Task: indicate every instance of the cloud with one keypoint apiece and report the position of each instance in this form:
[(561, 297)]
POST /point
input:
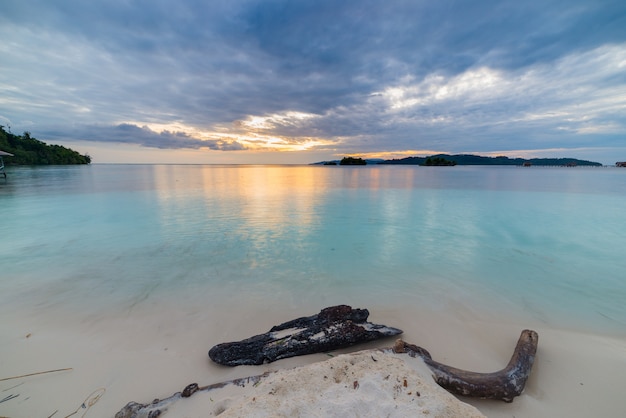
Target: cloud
[(340, 77), (578, 92), (133, 134)]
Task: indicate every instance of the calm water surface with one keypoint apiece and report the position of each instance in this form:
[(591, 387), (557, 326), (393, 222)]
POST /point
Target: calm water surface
[(543, 243)]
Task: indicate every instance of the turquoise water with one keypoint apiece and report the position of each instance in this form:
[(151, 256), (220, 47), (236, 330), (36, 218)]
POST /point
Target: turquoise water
[(548, 244)]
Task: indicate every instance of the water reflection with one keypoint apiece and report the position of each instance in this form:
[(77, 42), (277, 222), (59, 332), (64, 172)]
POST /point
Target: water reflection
[(116, 235), (271, 198)]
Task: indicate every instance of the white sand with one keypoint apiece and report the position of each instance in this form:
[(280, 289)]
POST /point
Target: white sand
[(154, 352)]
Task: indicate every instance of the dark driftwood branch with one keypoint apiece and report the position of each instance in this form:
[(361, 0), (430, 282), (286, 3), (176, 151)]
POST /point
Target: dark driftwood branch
[(505, 384), (338, 327), (333, 328)]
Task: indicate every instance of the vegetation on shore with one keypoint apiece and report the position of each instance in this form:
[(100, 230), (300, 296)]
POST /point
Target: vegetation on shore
[(438, 161), (468, 159), (27, 150), (352, 161)]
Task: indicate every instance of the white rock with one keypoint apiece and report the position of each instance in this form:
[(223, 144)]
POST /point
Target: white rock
[(364, 384)]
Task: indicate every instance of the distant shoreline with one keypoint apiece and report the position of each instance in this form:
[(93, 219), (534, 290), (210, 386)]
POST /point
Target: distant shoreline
[(470, 159)]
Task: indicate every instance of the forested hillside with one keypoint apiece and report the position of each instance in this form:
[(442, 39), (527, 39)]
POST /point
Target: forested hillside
[(27, 150)]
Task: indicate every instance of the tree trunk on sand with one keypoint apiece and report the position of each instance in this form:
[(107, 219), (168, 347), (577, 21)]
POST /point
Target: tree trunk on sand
[(505, 384), (333, 328)]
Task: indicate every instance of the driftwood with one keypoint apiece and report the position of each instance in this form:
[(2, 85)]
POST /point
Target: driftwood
[(158, 406), (333, 328), (505, 384), (339, 327)]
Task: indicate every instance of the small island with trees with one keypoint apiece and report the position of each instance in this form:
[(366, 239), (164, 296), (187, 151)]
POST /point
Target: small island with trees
[(27, 150), (352, 161)]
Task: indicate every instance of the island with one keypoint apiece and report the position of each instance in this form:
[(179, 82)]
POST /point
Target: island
[(469, 159), (27, 150), (352, 161)]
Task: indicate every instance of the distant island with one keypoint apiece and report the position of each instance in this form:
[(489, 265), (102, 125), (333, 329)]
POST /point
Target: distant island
[(27, 150), (469, 159), (352, 161)]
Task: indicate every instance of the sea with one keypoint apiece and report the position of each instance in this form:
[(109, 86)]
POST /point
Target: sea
[(542, 244)]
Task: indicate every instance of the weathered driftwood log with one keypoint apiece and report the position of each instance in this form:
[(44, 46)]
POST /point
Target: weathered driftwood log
[(505, 384), (333, 328), (158, 406)]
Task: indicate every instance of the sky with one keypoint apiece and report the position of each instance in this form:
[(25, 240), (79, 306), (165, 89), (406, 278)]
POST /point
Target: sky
[(298, 81)]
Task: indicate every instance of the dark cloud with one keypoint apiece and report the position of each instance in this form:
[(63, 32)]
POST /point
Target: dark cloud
[(132, 134)]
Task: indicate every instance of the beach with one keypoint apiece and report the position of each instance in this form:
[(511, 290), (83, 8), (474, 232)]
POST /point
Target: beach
[(180, 175), (128, 274), (156, 352)]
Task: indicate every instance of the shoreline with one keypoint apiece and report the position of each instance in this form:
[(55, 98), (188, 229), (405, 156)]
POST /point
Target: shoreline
[(153, 353)]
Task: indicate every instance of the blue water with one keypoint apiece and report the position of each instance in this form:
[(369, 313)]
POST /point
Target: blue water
[(546, 244)]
